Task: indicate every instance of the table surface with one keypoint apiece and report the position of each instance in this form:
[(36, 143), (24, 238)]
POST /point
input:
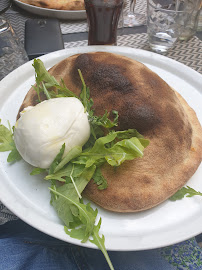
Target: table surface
[(75, 34)]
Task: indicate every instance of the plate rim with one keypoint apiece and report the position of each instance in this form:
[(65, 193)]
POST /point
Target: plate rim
[(66, 53)]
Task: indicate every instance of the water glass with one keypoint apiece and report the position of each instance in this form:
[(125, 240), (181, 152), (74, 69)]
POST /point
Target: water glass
[(133, 18), (165, 22), (192, 7), (199, 25), (103, 18), (12, 52)]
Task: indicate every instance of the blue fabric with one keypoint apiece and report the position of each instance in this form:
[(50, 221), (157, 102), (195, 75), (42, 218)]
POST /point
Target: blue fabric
[(25, 248)]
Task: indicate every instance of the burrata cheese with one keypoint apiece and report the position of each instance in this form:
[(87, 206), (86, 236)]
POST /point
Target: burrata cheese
[(41, 130)]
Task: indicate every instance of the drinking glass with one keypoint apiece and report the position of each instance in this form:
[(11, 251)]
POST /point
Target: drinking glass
[(199, 25), (133, 18), (103, 17), (165, 23), (192, 7), (12, 52)]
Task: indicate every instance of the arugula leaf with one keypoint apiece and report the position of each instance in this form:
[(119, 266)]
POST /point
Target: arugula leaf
[(100, 243), (74, 164), (57, 159), (104, 121), (48, 84), (126, 149), (43, 79), (6, 139), (36, 171), (65, 172), (7, 144), (185, 192), (42, 74), (46, 91), (83, 94), (14, 155), (123, 150), (86, 217), (99, 179), (73, 182), (129, 133), (61, 205), (97, 123), (83, 225), (73, 153)]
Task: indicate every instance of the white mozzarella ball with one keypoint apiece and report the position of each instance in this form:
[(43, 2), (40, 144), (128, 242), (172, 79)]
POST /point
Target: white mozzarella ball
[(41, 130)]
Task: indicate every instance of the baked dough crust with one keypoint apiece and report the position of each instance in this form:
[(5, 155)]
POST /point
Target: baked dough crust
[(145, 102), (57, 4)]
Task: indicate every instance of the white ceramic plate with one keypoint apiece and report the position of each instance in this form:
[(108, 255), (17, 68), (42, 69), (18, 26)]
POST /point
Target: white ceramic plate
[(53, 13), (28, 196)]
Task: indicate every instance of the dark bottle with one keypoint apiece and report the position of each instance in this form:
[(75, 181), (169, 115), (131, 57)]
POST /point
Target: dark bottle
[(103, 17)]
